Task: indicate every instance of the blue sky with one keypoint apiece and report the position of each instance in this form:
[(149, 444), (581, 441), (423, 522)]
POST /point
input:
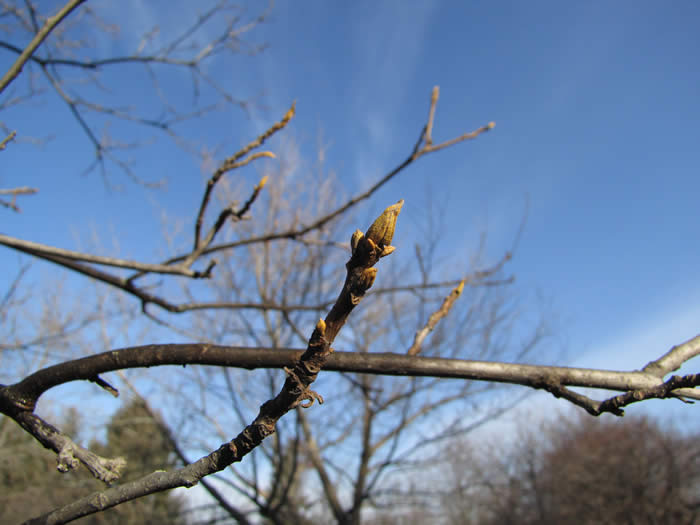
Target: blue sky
[(596, 107), (596, 110)]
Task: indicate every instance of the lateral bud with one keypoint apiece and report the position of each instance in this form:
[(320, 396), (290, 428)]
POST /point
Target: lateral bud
[(321, 327), (355, 240), (367, 279)]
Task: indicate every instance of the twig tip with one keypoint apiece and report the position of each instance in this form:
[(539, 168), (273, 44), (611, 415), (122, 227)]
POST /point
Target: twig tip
[(292, 111)]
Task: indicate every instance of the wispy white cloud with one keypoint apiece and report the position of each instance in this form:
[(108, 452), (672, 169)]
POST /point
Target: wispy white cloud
[(387, 45), (646, 337)]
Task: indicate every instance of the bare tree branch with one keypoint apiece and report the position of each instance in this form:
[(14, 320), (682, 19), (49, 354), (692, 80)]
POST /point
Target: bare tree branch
[(23, 395), (68, 453), (234, 162), (24, 190), (297, 233), (36, 249), (367, 250)]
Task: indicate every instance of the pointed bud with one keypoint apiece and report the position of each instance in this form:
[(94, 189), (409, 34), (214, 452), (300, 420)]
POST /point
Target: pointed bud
[(382, 229)]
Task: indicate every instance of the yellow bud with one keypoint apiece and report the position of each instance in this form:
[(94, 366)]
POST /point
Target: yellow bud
[(382, 229), (368, 277), (355, 240), (262, 183)]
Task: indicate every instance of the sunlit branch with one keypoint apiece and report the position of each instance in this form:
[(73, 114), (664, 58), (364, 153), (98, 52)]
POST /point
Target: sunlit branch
[(27, 391)]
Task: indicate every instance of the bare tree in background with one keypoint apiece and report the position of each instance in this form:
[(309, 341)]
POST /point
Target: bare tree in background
[(575, 470), (251, 291)]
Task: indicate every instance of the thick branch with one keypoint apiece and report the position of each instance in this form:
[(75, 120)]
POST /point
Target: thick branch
[(25, 393)]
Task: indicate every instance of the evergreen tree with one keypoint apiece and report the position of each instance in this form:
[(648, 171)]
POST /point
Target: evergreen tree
[(135, 434)]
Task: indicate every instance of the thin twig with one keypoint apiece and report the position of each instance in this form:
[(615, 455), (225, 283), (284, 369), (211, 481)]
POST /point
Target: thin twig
[(434, 319), (6, 141), (24, 190), (36, 248), (50, 24), (294, 234), (431, 115), (225, 214)]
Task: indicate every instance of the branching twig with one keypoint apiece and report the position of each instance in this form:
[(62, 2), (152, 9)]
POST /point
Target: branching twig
[(181, 265), (679, 387), (182, 52), (294, 234), (24, 190), (68, 453), (223, 216), (234, 162), (674, 358)]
